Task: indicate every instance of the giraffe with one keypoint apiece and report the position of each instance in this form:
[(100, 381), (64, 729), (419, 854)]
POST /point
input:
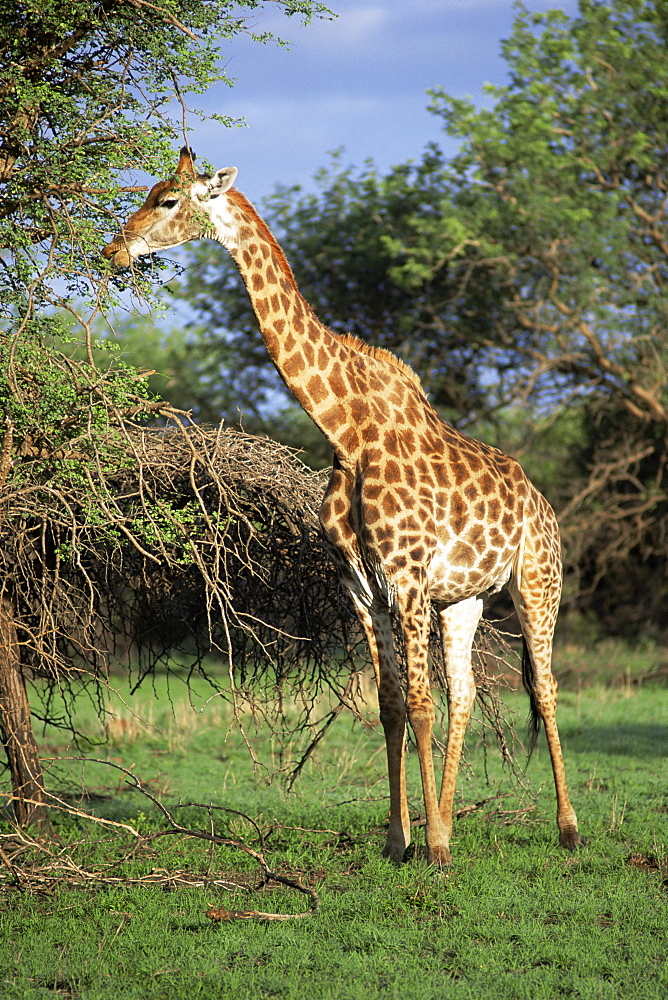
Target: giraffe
[(418, 514)]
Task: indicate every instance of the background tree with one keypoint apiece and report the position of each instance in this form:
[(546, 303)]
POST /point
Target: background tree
[(87, 91)]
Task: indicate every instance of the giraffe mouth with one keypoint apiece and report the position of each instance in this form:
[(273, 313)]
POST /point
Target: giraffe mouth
[(124, 248), (118, 255)]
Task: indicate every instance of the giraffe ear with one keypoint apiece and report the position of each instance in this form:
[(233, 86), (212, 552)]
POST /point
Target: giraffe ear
[(221, 181), (206, 188)]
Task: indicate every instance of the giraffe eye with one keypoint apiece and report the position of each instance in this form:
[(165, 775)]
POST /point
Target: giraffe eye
[(170, 203)]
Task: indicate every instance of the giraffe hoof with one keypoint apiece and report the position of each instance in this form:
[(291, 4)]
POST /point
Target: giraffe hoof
[(397, 851), (439, 857), (571, 839)]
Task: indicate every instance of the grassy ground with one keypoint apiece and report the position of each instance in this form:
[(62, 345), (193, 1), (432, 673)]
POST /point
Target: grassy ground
[(516, 917)]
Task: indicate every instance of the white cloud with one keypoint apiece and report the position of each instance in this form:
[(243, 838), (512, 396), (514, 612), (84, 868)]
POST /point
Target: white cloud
[(354, 27), (357, 27), (358, 81)]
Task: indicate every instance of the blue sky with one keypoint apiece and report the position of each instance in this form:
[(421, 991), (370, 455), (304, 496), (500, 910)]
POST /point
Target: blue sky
[(357, 82)]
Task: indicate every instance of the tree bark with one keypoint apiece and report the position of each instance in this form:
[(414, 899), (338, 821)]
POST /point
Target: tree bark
[(15, 727)]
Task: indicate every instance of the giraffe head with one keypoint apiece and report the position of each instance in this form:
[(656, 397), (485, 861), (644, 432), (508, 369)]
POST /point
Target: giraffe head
[(186, 207)]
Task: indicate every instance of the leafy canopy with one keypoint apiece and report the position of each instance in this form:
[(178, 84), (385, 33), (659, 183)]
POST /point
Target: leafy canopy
[(566, 174)]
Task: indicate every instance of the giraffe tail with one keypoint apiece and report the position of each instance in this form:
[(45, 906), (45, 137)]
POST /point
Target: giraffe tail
[(528, 680)]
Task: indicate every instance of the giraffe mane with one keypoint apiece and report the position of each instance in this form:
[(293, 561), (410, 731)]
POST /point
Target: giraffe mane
[(382, 354)]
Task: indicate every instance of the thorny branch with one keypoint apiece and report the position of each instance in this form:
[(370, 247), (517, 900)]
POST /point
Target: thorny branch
[(209, 540)]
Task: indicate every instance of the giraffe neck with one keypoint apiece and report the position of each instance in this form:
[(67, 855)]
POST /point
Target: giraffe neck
[(320, 368)]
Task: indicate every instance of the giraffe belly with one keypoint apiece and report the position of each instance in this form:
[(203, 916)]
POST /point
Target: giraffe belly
[(450, 580)]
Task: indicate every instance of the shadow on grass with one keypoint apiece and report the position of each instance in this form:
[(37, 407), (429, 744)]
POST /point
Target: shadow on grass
[(638, 740)]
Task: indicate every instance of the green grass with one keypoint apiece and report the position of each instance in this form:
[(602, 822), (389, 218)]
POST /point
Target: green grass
[(516, 918)]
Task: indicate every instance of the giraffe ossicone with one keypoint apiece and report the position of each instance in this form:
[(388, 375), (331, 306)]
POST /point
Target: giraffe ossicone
[(417, 513)]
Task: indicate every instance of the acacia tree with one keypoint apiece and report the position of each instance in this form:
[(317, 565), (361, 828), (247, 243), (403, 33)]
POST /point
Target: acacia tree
[(87, 92), (566, 175)]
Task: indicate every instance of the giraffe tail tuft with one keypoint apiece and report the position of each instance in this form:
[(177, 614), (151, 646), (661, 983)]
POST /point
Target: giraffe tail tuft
[(528, 680)]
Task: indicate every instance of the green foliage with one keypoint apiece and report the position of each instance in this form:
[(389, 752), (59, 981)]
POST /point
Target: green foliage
[(163, 524), (56, 404), (86, 93), (566, 175)]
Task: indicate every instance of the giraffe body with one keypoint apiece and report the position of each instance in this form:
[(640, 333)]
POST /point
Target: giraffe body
[(418, 514)]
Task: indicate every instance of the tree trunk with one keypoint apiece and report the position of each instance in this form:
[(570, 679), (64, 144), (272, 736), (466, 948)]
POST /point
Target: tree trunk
[(16, 728)]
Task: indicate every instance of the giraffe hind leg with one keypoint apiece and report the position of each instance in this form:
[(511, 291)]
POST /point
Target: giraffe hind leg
[(537, 610)]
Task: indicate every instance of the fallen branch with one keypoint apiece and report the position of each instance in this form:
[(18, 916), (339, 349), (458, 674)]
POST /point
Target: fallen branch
[(52, 872)]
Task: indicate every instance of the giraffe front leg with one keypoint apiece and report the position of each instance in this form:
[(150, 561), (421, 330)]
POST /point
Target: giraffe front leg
[(421, 716), (375, 620), (393, 719), (376, 624), (414, 612)]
